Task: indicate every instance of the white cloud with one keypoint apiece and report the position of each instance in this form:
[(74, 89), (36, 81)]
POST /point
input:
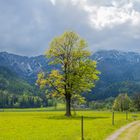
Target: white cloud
[(118, 12), (53, 2)]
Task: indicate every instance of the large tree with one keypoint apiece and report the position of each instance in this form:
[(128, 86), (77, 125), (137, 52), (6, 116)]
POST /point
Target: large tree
[(76, 73)]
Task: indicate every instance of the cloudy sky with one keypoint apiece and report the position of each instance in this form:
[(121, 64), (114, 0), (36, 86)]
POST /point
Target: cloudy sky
[(27, 26)]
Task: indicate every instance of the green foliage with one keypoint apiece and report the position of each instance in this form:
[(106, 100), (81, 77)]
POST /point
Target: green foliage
[(77, 100), (17, 93), (10, 82), (77, 73), (96, 105), (122, 102), (136, 101), (104, 90), (102, 104), (8, 100), (52, 102)]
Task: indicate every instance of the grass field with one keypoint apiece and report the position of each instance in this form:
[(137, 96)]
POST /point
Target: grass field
[(53, 125)]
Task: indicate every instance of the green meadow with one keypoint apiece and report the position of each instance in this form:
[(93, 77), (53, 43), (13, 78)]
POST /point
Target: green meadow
[(43, 124)]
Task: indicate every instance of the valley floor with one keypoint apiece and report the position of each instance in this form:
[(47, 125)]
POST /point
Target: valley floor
[(53, 125)]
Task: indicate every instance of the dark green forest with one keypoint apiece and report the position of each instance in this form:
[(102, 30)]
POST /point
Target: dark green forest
[(17, 93), (18, 74)]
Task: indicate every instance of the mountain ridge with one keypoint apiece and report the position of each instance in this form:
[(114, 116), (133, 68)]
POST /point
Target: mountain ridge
[(116, 67)]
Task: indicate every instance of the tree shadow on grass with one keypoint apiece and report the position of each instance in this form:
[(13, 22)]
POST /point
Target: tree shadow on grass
[(73, 117)]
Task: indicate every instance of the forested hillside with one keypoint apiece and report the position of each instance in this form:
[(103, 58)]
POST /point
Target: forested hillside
[(120, 72), (12, 83), (15, 92)]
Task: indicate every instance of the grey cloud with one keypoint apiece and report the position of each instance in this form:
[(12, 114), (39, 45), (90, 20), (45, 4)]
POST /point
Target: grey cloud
[(27, 27)]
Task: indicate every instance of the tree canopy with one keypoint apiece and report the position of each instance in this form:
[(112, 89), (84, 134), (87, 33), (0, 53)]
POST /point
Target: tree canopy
[(75, 73), (122, 102)]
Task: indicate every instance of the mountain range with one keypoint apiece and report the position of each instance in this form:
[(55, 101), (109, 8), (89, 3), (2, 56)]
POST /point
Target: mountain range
[(120, 71)]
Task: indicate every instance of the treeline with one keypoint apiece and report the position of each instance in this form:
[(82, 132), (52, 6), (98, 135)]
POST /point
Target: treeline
[(17, 93), (125, 103), (102, 104), (8, 100), (122, 102), (104, 89)]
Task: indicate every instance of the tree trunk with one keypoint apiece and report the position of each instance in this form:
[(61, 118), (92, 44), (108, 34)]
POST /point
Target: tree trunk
[(68, 105)]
